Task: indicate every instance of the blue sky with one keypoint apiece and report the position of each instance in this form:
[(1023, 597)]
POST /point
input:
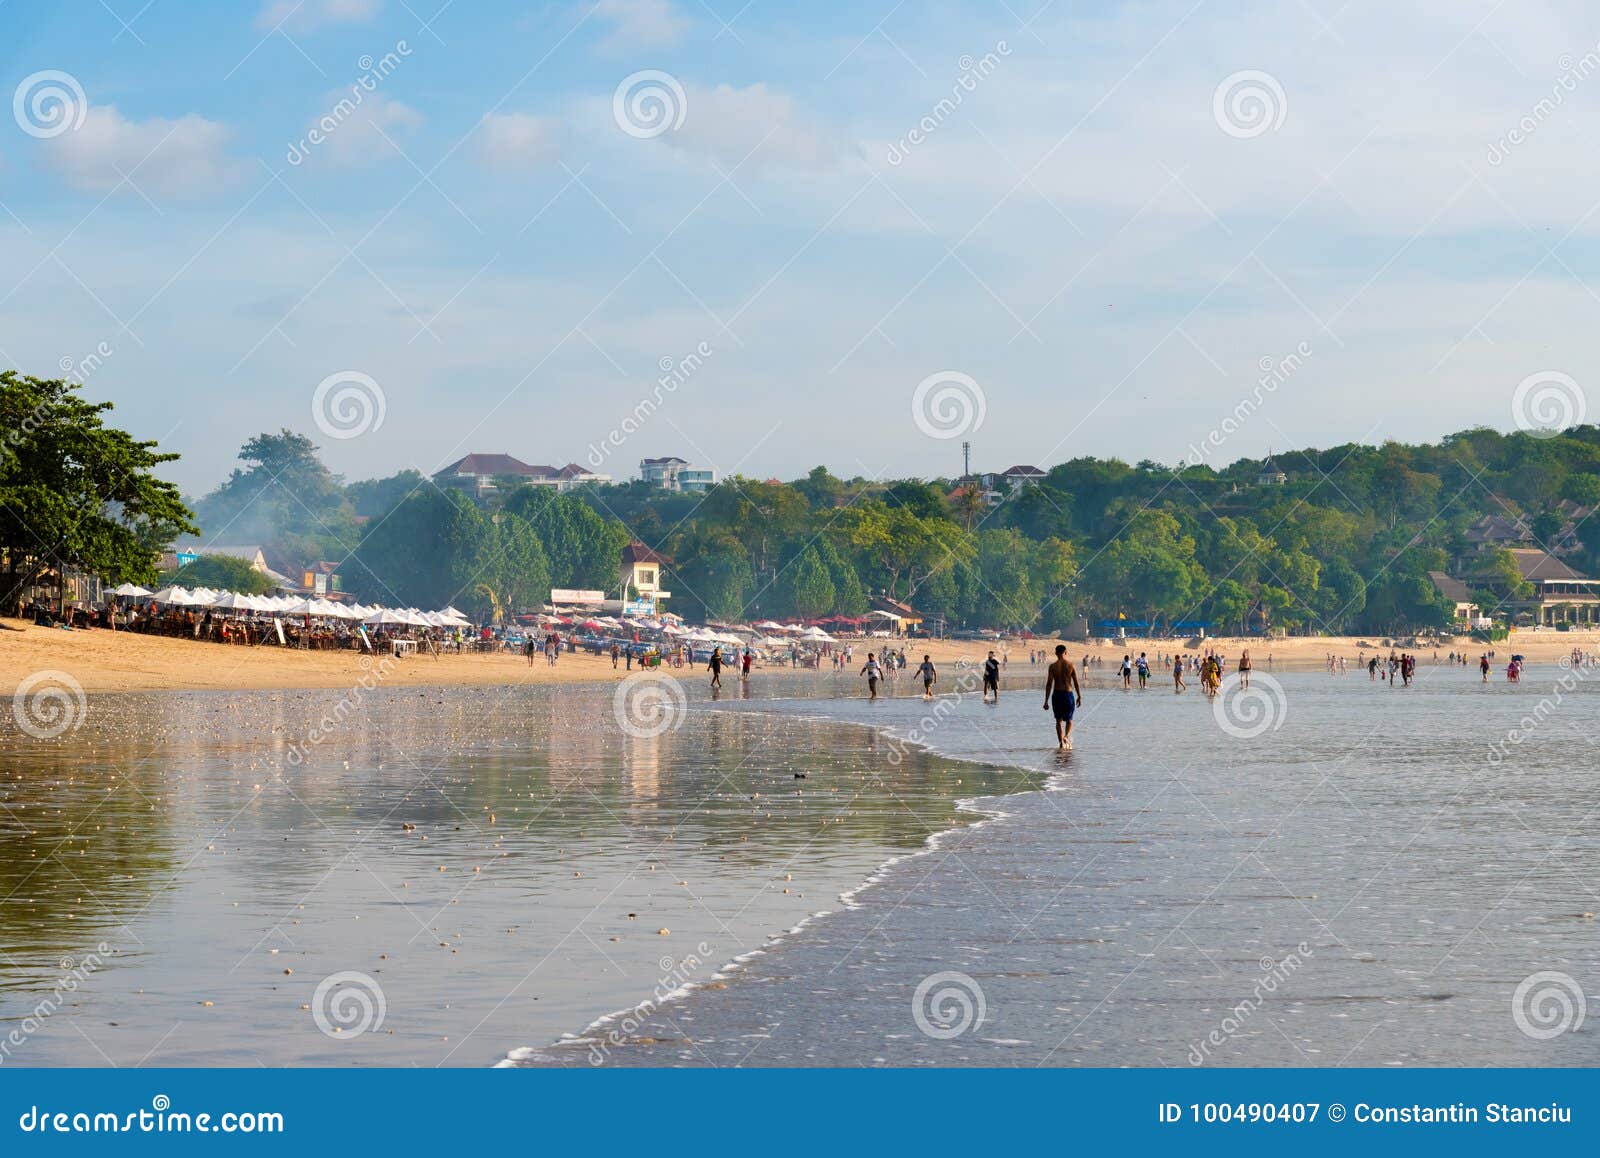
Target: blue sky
[(1101, 244)]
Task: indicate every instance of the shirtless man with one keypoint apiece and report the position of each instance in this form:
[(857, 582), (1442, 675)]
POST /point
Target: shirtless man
[(1062, 695)]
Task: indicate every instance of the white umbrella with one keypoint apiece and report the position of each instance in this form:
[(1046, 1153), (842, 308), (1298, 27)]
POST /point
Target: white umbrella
[(299, 607), (383, 617), (175, 596), (233, 601), (451, 611), (132, 590)]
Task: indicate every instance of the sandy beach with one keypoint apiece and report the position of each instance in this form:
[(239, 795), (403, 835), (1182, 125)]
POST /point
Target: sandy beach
[(105, 661)]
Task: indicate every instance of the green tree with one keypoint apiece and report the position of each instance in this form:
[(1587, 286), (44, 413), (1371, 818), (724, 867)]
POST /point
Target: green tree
[(812, 586), (75, 492), (221, 573)]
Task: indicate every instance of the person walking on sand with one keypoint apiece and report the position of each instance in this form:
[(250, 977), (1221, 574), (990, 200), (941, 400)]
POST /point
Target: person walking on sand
[(714, 666), (991, 678), (1127, 672), (874, 673), (1062, 695), (1142, 665), (929, 676), (616, 654)]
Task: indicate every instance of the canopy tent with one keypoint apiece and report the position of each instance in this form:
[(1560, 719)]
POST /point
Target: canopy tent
[(233, 601), (129, 590), (384, 617), (175, 596)]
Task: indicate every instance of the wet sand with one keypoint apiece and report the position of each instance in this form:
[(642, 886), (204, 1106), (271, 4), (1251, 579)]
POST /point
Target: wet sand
[(416, 877)]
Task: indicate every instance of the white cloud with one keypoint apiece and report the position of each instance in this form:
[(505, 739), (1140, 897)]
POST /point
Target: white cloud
[(178, 158), (306, 15), (640, 24), (357, 127), (756, 125), (517, 140)]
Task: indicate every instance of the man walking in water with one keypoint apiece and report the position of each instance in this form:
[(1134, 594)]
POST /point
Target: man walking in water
[(991, 678), (929, 676), (714, 665), (873, 673), (1062, 695)]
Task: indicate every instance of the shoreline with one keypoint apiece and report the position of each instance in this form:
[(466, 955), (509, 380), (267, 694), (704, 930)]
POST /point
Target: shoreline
[(104, 661), (594, 1033)]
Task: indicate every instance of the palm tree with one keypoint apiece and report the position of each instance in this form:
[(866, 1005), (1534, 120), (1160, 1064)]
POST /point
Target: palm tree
[(497, 605)]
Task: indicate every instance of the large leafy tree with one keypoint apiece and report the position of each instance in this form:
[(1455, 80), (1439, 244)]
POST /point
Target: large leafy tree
[(220, 573), (75, 492), (283, 498), (582, 548)]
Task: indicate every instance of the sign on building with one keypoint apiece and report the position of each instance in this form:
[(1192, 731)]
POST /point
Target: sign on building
[(571, 595)]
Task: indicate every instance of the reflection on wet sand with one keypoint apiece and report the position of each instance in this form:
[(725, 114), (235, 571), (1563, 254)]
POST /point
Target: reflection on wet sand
[(501, 865)]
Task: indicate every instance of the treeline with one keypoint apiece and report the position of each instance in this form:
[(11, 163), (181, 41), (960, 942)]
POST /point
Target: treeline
[(1345, 544)]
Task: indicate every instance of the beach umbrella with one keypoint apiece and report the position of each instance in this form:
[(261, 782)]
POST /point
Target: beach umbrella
[(384, 617), (129, 590), (175, 596), (233, 601), (299, 607)]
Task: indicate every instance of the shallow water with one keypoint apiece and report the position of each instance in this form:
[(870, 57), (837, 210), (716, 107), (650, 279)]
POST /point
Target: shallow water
[(1365, 882), (176, 884)]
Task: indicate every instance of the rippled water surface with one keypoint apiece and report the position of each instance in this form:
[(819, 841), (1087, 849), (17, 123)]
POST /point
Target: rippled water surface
[(1366, 882), (477, 869)]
